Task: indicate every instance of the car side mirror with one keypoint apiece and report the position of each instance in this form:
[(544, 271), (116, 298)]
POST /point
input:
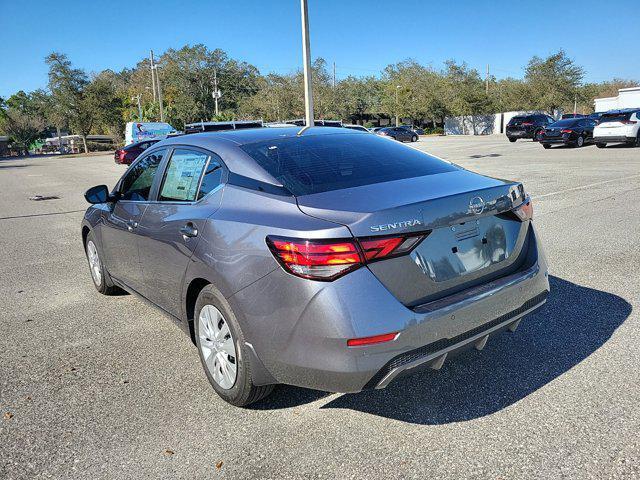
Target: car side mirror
[(97, 194)]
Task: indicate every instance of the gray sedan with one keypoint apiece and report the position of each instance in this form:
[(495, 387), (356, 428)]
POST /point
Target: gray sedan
[(328, 259)]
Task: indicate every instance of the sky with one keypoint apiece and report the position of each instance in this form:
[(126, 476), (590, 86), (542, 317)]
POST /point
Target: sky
[(361, 37)]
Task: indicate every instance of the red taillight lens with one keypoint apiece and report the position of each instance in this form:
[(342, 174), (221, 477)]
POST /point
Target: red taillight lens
[(526, 124), (358, 342), (385, 247), (316, 259), (121, 154), (629, 122), (329, 259), (566, 130), (525, 210)]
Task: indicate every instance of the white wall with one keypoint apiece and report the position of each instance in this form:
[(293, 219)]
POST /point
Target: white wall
[(627, 98), (490, 124)]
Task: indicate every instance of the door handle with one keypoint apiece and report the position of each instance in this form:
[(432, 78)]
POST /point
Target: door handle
[(189, 230), (131, 225)]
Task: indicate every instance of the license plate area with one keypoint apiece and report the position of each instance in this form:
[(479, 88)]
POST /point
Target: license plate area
[(463, 249)]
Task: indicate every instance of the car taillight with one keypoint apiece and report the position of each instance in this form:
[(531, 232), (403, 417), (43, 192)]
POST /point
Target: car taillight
[(327, 260), (566, 130), (384, 247), (121, 154), (526, 124), (629, 122), (524, 211)]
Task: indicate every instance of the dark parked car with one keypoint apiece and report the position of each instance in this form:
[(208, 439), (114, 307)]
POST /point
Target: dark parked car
[(527, 126), (126, 155), (574, 132), (328, 259), (419, 131), (402, 134)]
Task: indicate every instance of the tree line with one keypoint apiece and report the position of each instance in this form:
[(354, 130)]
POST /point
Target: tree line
[(101, 103)]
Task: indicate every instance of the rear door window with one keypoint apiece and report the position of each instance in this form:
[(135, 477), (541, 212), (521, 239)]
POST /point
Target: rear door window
[(320, 163), (182, 176)]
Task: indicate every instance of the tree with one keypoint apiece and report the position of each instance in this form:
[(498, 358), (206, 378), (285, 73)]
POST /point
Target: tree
[(554, 81), (67, 85), (465, 93), (22, 128)]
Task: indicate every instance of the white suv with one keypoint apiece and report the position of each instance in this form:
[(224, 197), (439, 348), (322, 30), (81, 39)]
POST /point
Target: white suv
[(618, 126)]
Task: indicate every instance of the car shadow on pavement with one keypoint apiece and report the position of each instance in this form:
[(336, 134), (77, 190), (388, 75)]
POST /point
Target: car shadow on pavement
[(574, 323)]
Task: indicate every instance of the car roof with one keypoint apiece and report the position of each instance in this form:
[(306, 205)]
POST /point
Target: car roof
[(252, 135)]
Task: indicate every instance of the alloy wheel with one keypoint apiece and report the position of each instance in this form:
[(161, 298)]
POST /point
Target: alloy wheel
[(217, 346), (94, 263)]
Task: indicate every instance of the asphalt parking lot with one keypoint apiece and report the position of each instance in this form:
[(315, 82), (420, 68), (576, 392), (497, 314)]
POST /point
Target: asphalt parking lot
[(106, 387)]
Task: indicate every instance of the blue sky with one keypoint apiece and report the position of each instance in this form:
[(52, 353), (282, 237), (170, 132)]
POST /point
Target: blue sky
[(362, 37)]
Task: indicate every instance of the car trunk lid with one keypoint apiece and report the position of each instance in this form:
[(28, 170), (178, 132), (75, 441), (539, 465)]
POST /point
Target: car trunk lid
[(471, 238)]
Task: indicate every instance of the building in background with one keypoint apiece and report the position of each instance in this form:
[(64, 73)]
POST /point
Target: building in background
[(627, 98)]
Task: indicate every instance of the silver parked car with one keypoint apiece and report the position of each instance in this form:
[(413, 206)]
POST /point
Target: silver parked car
[(328, 259)]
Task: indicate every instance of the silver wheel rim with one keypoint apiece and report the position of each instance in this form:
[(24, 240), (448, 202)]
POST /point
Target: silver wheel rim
[(580, 141), (217, 346), (94, 263)]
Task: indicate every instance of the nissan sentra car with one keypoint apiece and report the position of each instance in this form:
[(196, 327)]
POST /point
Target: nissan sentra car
[(324, 258)]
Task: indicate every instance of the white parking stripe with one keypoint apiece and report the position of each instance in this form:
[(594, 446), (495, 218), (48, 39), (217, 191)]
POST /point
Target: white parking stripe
[(584, 186)]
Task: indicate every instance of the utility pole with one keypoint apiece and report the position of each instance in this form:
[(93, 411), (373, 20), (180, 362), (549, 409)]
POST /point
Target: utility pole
[(153, 77), (306, 58), (487, 81), (575, 104), (159, 95), (334, 74), (397, 106), (137, 97), (216, 93)]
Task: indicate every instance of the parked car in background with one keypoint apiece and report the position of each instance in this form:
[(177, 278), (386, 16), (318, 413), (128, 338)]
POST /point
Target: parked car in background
[(359, 128), (596, 116), (126, 155), (419, 131), (527, 126), (571, 115), (618, 126), (574, 132), (376, 129), (402, 134), (328, 259)]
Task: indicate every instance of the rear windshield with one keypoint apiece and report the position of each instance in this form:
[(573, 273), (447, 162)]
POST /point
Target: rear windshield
[(320, 163), (615, 117), (568, 122), (521, 119)]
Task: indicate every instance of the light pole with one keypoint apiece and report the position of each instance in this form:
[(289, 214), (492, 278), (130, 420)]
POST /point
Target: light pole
[(216, 94), (306, 57), (397, 106)]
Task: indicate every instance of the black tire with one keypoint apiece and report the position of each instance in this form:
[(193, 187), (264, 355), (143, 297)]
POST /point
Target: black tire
[(414, 138), (103, 284), (243, 392), (601, 145), (512, 140), (546, 146), (535, 135), (580, 141), (637, 142)]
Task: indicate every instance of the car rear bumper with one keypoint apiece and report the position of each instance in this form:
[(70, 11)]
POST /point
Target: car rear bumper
[(614, 139), (520, 134), (301, 339), (556, 140)]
